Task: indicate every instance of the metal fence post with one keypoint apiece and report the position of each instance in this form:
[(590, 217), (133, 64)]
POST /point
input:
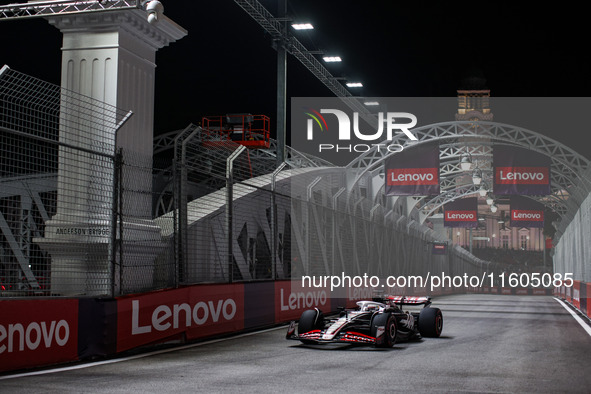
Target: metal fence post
[(115, 217), (274, 221), (175, 219), (180, 201), (229, 207), (182, 221), (334, 227), (309, 218)]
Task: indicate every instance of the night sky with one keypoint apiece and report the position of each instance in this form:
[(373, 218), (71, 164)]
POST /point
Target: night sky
[(398, 49)]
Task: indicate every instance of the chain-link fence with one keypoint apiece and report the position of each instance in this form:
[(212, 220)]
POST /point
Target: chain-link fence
[(218, 188), (263, 223), (57, 189), (80, 217), (340, 233)]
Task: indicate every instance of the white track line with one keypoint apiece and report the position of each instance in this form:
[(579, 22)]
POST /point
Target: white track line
[(577, 318), (122, 359)]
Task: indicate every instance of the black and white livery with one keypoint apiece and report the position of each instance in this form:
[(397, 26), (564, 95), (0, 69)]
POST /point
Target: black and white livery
[(380, 322)]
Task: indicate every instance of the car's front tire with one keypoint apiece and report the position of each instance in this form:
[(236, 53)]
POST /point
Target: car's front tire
[(311, 319), (387, 321), (430, 322)]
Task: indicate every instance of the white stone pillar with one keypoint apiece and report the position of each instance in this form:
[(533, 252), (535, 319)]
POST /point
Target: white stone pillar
[(110, 57)]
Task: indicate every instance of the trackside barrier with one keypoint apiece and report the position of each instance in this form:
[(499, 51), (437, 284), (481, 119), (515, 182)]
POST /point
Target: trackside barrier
[(187, 313), (41, 332), (38, 332), (578, 296), (510, 290)]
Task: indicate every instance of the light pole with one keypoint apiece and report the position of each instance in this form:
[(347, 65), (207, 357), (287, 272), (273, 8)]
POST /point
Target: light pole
[(281, 86)]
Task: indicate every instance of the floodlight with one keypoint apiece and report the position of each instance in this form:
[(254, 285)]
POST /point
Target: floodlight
[(302, 26)]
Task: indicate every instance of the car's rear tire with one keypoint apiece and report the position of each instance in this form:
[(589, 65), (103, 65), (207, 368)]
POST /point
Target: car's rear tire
[(430, 322), (388, 322), (311, 319)]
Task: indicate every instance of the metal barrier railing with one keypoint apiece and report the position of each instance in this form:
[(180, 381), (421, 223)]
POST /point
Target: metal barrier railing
[(71, 225), (58, 187)]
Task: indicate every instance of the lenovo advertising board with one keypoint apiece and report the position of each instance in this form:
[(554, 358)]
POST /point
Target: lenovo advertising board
[(439, 248), (461, 213), (413, 172), (294, 297), (526, 212), (37, 332), (520, 171), (197, 311)]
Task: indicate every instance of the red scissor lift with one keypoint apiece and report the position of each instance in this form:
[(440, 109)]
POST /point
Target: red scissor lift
[(249, 130)]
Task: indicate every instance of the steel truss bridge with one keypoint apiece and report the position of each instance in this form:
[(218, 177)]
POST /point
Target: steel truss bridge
[(355, 192), (365, 175), (570, 180), (356, 189)]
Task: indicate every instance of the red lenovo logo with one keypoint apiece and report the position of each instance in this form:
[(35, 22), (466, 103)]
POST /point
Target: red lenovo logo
[(412, 176), (529, 215), (522, 176), (460, 216)]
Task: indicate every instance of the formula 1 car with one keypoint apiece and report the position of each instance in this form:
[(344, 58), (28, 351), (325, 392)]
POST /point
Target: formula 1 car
[(380, 322)]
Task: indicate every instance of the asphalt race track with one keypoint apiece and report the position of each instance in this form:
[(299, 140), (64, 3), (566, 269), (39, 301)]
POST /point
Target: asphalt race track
[(490, 343)]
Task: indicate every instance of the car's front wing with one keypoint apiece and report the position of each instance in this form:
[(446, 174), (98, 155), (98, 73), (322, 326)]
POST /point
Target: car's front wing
[(318, 337)]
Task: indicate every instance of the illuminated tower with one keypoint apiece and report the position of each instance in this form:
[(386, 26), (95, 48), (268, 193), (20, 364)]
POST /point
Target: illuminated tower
[(473, 99)]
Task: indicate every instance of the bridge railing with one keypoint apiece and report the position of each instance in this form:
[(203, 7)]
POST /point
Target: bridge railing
[(79, 217)]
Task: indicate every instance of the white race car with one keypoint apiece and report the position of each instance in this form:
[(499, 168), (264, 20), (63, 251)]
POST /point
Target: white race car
[(380, 322)]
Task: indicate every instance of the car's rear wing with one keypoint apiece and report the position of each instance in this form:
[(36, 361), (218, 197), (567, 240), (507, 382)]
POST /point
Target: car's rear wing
[(408, 300)]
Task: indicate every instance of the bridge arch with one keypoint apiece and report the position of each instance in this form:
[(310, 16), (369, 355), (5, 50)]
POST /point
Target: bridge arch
[(456, 138)]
